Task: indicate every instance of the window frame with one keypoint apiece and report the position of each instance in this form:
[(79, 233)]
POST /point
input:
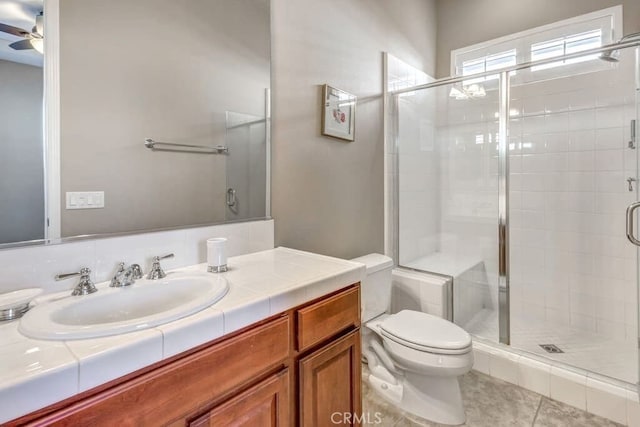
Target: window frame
[(556, 30)]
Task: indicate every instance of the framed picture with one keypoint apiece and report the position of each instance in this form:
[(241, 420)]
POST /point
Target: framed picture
[(338, 113)]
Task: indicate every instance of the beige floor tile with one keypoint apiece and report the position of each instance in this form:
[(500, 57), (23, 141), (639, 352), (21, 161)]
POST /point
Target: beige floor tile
[(492, 402), (488, 402), (376, 410)]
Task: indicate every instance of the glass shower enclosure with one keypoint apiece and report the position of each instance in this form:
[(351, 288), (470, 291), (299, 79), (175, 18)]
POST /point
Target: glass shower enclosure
[(515, 183)]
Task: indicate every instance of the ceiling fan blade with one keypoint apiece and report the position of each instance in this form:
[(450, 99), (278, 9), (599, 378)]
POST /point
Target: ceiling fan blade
[(10, 29), (21, 45)]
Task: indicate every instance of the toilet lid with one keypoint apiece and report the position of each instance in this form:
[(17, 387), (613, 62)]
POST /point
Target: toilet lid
[(425, 330)]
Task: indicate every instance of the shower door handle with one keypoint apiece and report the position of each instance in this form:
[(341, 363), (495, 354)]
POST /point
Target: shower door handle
[(630, 233), (231, 197)]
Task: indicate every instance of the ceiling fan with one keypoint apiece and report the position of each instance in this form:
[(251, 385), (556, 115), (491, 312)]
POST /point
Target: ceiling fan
[(33, 39)]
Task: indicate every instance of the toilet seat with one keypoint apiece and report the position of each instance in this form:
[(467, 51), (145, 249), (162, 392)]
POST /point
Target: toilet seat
[(426, 333)]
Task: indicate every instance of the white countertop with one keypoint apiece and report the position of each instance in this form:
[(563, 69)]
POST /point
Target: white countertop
[(37, 373)]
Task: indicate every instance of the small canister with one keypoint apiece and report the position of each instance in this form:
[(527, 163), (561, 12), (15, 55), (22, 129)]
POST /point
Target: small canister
[(217, 254)]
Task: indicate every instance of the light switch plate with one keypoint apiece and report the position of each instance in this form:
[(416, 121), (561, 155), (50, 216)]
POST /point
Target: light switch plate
[(85, 199)]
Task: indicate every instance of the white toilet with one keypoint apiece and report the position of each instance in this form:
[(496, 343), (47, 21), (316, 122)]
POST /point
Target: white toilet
[(414, 358)]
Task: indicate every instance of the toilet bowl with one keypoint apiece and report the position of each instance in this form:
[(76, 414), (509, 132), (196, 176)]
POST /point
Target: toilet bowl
[(414, 358)]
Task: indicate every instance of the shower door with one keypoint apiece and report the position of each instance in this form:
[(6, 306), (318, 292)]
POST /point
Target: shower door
[(447, 146), (572, 173), (245, 193)]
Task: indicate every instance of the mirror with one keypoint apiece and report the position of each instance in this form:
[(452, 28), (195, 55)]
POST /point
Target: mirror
[(21, 140), (191, 75)]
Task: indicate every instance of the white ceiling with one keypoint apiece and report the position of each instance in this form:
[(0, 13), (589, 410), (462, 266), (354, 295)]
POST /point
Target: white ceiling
[(21, 14)]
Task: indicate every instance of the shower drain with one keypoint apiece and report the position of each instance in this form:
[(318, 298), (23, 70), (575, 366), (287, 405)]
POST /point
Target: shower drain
[(551, 348)]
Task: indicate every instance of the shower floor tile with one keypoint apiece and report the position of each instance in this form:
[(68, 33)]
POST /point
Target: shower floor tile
[(605, 356)]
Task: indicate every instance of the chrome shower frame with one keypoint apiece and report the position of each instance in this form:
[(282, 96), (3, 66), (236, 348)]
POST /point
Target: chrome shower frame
[(503, 163)]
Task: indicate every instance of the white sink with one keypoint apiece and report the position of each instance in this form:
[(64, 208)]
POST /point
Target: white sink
[(112, 311)]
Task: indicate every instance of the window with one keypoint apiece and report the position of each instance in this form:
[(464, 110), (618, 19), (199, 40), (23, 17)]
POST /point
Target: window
[(577, 34), (488, 63), (566, 45)]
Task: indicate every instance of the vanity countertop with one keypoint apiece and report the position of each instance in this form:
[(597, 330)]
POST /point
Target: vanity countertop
[(37, 373)]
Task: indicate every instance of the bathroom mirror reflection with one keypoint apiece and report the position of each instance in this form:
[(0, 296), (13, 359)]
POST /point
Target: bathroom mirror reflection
[(21, 141), (191, 72)]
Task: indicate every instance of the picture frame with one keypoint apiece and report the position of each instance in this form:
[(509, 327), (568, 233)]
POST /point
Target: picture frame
[(338, 113)]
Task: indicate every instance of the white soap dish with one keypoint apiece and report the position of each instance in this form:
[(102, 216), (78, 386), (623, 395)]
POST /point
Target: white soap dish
[(14, 304)]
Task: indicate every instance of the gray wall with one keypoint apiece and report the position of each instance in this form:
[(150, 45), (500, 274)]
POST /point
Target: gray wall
[(466, 22), (21, 151), (328, 195), (162, 69)]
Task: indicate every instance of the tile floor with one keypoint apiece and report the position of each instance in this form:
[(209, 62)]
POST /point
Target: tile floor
[(488, 402), (614, 358)]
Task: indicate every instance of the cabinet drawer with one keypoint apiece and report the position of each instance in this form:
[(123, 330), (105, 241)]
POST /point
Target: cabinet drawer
[(328, 317), (163, 395)]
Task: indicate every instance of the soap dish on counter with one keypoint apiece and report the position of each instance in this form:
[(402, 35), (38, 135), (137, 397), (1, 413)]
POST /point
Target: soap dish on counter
[(16, 303)]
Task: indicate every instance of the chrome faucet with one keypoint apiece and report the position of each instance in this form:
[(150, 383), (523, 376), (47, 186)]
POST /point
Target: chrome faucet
[(85, 286), (126, 276), (156, 271)]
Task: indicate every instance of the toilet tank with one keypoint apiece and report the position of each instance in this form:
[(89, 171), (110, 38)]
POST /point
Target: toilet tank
[(375, 289)]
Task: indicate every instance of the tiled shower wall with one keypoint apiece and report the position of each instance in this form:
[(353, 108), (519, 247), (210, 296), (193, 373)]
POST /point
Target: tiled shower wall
[(467, 144), (447, 194), (571, 263), (410, 143), (419, 180)]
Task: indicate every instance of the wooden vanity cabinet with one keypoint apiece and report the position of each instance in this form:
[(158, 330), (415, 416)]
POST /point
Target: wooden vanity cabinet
[(297, 368)]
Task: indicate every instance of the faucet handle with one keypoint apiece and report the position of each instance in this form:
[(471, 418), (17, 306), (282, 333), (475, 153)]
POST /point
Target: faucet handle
[(84, 272), (85, 286), (159, 258), (156, 271)]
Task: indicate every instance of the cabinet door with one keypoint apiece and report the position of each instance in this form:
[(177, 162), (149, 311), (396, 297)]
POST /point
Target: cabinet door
[(265, 404), (330, 384)]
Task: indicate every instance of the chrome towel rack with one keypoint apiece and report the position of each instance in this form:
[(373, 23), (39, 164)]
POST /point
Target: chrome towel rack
[(184, 148)]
